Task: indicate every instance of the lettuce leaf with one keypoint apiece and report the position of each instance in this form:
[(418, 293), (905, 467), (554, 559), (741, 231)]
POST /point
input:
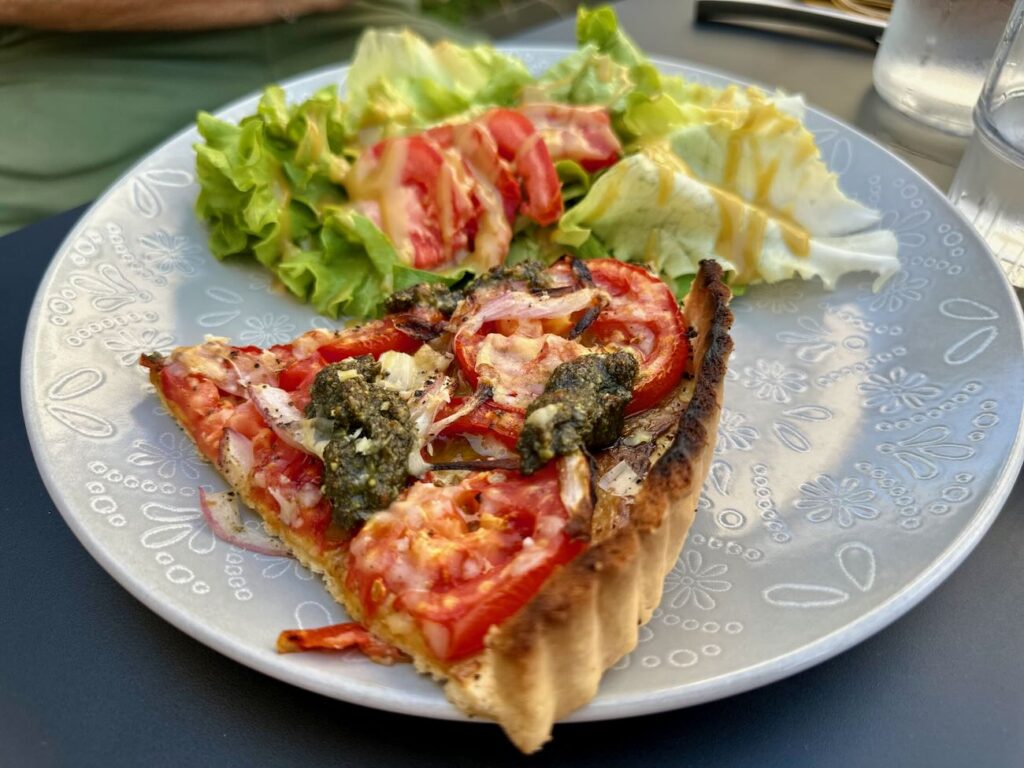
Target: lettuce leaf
[(737, 138), (398, 82), (574, 180), (609, 70), (712, 169), (757, 147), (264, 181), (651, 208), (273, 186)]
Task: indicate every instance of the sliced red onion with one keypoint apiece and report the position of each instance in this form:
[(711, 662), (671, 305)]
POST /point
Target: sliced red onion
[(487, 446), (620, 480), (423, 410), (221, 515), (288, 422), (574, 489), (288, 507), (236, 460), (586, 320), (478, 465), (527, 306), (482, 395), (251, 369)]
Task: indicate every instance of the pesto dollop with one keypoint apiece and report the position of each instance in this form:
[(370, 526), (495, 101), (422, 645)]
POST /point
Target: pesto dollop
[(432, 295), (528, 275), (583, 406), (366, 461)]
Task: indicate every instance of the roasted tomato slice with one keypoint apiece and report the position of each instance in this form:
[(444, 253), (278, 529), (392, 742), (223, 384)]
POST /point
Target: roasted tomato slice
[(299, 375), (488, 420), (583, 134), (642, 315), (201, 404), (339, 637), (520, 143), (460, 559), (513, 341), (372, 338), (397, 333)]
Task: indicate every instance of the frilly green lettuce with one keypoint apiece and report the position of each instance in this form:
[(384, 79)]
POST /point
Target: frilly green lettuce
[(651, 208), (609, 70), (272, 187), (398, 82), (265, 180)]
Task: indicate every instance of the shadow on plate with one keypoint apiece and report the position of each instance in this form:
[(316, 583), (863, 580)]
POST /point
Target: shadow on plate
[(912, 138)]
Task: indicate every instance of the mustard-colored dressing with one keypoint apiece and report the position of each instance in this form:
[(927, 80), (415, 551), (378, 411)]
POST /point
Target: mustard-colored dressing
[(742, 224), (608, 197), (666, 183)]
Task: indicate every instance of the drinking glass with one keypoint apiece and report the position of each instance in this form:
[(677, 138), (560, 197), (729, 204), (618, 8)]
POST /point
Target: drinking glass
[(989, 183), (934, 56)]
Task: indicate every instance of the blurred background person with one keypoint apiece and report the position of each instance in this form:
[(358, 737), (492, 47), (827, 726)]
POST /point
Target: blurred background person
[(89, 86)]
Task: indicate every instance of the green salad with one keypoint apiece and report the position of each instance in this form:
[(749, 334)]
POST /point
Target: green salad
[(438, 161)]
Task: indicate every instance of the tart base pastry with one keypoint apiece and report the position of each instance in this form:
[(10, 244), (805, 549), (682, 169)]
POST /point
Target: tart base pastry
[(547, 659)]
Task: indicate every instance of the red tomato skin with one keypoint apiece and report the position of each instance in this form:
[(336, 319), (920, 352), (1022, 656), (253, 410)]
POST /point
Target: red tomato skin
[(479, 148), (639, 302), (201, 404), (464, 605), (468, 629), (580, 133), (520, 143), (373, 338), (299, 375), (489, 419), (661, 370)]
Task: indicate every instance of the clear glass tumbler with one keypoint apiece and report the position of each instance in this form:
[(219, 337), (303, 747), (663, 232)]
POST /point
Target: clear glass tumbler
[(934, 56), (989, 183)]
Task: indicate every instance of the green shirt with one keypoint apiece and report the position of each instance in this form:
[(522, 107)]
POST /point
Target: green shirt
[(77, 109)]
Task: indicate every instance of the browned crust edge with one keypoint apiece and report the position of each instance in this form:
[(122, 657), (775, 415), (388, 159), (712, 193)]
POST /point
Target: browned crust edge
[(548, 659)]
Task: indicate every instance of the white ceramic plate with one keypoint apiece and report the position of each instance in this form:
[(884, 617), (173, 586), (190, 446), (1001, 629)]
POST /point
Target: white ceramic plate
[(867, 443)]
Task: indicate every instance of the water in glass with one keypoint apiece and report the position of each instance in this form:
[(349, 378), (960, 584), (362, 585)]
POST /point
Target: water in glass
[(934, 57), (989, 184), (989, 187)]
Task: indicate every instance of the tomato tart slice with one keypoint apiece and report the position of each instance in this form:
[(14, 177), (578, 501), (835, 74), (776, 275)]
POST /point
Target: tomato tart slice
[(492, 479)]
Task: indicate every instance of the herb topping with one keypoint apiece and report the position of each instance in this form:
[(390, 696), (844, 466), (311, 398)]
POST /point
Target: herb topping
[(367, 458), (583, 405)]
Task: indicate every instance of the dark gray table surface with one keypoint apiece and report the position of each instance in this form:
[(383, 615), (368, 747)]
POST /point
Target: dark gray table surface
[(88, 676)]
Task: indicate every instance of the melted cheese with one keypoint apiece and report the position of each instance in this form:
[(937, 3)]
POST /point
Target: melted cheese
[(518, 367)]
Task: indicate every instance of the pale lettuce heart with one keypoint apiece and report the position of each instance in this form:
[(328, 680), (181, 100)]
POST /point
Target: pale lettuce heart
[(756, 146), (651, 208)]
